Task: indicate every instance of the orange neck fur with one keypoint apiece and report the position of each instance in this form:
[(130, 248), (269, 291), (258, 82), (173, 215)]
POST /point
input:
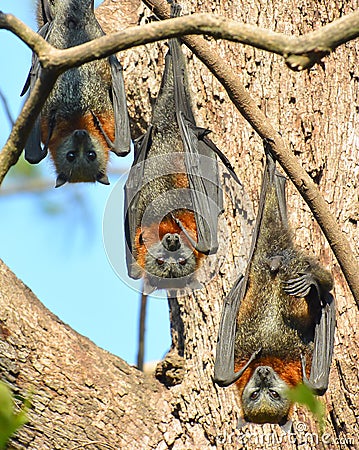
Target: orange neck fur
[(154, 233)]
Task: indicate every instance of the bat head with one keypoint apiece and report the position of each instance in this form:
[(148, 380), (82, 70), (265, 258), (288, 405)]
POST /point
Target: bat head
[(80, 157), (170, 258), (264, 398)]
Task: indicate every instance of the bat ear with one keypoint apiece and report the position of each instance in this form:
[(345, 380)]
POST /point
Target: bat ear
[(147, 287), (103, 178), (287, 426), (61, 180)]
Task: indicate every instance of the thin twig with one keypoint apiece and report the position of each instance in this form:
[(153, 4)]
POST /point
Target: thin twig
[(142, 331), (7, 109)]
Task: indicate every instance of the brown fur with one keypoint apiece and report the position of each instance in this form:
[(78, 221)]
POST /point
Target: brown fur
[(289, 371), (155, 233), (65, 128)]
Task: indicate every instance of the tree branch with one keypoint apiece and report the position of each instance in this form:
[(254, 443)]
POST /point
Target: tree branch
[(260, 123), (25, 33), (300, 52), (22, 127)]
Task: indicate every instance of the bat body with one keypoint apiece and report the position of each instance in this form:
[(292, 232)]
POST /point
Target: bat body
[(85, 115), (173, 195), (277, 325)]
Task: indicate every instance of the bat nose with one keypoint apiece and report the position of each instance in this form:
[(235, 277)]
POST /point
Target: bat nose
[(263, 372), (171, 241), (80, 134)]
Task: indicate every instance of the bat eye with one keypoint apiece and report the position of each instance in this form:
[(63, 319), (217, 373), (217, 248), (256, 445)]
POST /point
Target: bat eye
[(182, 261), (274, 394), (160, 261), (140, 239), (91, 155), (70, 156), (254, 395)]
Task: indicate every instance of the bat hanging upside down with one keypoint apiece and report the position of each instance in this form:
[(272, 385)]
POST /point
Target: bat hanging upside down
[(85, 115), (173, 195), (277, 325)]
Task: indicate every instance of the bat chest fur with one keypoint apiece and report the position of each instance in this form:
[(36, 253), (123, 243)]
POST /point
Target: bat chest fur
[(271, 319), (80, 90)]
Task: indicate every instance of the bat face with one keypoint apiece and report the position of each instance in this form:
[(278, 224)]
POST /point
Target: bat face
[(264, 398), (164, 256), (170, 258), (80, 157)]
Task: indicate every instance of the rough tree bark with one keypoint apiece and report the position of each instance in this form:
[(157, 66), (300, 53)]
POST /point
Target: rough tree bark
[(83, 397)]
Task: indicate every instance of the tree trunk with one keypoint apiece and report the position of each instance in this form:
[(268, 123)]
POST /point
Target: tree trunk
[(84, 397)]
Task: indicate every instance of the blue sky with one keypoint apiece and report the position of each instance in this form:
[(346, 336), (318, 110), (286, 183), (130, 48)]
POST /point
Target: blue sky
[(61, 256)]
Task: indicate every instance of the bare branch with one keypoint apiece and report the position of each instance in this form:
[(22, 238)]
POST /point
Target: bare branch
[(25, 33), (300, 52), (22, 127), (30, 186), (302, 181)]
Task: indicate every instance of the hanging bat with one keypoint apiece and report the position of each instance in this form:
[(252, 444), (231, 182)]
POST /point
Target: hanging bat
[(173, 195), (277, 324), (85, 115)]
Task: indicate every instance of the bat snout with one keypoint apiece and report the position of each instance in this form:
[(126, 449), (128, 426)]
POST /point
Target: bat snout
[(263, 371), (265, 376), (81, 135), (171, 242)]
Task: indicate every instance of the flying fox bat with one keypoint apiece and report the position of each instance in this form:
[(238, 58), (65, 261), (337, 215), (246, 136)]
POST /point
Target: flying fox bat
[(173, 195), (277, 324), (85, 115)]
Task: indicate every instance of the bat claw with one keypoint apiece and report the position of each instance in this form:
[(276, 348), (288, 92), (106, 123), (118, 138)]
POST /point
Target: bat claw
[(303, 360), (255, 354), (300, 286)]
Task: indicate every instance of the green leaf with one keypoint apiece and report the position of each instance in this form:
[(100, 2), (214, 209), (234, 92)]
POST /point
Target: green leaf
[(6, 402), (303, 395), (10, 422)]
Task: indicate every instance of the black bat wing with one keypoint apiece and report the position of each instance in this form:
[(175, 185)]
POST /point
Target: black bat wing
[(201, 164), (34, 152), (46, 11), (132, 189), (224, 373), (122, 144), (323, 347)]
